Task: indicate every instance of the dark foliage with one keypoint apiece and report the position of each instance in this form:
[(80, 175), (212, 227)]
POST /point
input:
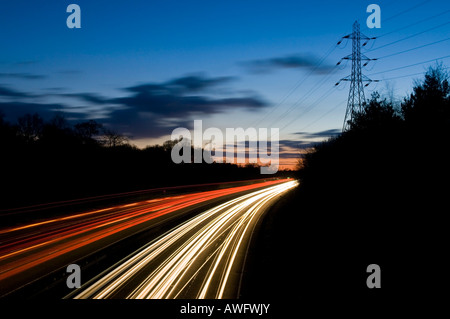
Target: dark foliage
[(52, 161), (377, 192)]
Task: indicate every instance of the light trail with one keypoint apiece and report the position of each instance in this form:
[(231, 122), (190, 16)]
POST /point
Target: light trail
[(201, 258), (37, 248)]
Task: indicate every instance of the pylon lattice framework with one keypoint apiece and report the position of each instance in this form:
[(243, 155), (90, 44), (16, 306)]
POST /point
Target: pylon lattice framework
[(356, 99)]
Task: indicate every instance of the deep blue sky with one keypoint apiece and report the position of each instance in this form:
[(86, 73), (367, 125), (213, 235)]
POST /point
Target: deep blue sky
[(145, 67)]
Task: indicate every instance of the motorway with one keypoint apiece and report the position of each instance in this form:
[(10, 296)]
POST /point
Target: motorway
[(201, 257)]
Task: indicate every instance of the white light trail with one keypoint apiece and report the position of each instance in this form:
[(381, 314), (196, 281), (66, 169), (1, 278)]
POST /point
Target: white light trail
[(197, 259)]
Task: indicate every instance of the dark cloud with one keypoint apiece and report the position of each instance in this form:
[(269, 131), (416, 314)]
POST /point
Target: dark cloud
[(7, 92), (69, 72), (287, 148), (306, 137), (146, 110), (191, 84), (144, 125), (290, 155), (195, 83), (14, 110), (288, 145), (23, 76), (56, 88), (320, 134), (159, 116), (15, 104), (155, 109), (297, 61), (87, 97)]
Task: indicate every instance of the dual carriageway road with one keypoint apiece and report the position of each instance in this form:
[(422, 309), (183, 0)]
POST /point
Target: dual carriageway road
[(202, 255)]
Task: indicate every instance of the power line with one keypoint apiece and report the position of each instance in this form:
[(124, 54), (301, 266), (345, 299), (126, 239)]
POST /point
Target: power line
[(311, 106), (297, 85), (407, 10), (410, 65), (323, 115), (408, 75), (327, 93), (419, 47), (410, 36), (288, 111), (304, 97), (392, 78), (315, 87), (341, 103), (414, 24)]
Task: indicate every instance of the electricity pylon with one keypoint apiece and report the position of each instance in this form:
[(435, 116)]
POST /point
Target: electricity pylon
[(356, 99)]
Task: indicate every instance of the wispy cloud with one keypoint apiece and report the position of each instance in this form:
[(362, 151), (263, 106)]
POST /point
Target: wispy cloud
[(320, 134), (23, 76), (145, 110), (25, 63), (11, 93), (294, 61), (165, 106), (14, 110)]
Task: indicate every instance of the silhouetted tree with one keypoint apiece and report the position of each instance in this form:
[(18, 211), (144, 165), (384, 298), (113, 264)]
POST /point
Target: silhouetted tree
[(429, 104), (30, 127), (377, 115), (111, 138), (169, 144), (59, 122), (87, 131), (57, 134), (382, 183), (8, 133), (55, 160)]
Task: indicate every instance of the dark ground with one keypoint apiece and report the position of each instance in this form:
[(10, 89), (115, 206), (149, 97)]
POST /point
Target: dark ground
[(316, 253)]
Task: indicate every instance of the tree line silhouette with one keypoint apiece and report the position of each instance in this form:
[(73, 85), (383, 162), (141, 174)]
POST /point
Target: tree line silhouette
[(390, 150), (55, 160), (378, 192)]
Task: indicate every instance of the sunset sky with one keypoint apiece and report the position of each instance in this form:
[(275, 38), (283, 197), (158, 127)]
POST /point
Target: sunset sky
[(145, 67)]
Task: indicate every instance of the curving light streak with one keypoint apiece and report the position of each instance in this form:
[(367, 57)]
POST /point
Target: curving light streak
[(201, 258), (35, 247)]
